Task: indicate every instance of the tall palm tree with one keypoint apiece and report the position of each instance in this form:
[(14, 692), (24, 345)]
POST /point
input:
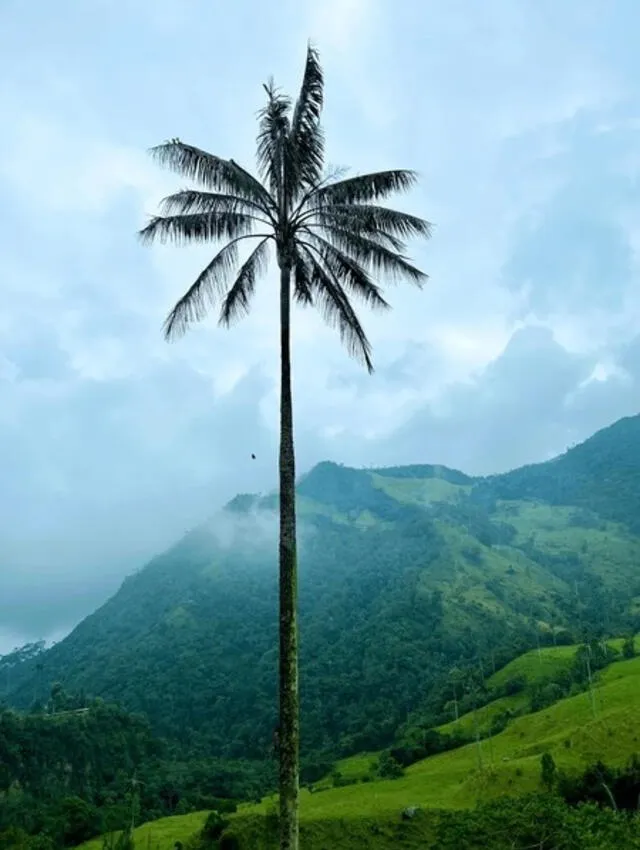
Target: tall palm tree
[(331, 240)]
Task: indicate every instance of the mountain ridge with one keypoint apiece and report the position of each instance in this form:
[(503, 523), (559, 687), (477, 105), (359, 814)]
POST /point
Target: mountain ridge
[(405, 572)]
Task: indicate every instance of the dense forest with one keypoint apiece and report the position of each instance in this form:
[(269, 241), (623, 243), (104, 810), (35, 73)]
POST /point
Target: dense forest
[(74, 768)]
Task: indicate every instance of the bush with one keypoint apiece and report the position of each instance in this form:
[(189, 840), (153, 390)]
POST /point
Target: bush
[(515, 686), (547, 770), (389, 768), (315, 771), (214, 826), (500, 722), (545, 695), (229, 842), (629, 648), (80, 820)]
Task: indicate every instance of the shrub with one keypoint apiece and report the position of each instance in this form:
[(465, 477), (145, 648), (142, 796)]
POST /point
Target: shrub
[(500, 722), (389, 768), (214, 826), (516, 685), (548, 770), (629, 648)]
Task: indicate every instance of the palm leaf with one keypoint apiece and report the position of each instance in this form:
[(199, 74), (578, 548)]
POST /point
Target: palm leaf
[(197, 227), (340, 225), (350, 272), (374, 256), (372, 219), (302, 277), (336, 308), (272, 140), (237, 301), (212, 171), (306, 139), (208, 288), (194, 201), (365, 187)]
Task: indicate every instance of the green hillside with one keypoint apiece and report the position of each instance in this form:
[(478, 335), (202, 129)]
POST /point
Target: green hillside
[(523, 679), (368, 813), (600, 475), (406, 573)]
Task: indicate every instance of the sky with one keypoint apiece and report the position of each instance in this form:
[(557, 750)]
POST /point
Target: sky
[(523, 120)]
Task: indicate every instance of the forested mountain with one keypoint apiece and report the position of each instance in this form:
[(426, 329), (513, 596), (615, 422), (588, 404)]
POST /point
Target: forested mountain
[(405, 572)]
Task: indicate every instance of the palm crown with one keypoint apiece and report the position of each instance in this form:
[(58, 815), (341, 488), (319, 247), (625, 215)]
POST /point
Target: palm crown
[(329, 234)]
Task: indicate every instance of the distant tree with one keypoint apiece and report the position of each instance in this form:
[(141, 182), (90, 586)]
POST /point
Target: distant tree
[(547, 771), (515, 685), (59, 700), (629, 647), (456, 681), (214, 826), (388, 767), (81, 820)]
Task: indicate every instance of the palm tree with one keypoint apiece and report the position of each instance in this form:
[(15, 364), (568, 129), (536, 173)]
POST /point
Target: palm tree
[(331, 240)]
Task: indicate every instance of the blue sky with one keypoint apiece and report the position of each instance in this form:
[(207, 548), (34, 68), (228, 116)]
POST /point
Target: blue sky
[(523, 119)]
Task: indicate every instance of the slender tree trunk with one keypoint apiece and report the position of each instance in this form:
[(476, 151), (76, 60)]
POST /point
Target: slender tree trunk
[(289, 708)]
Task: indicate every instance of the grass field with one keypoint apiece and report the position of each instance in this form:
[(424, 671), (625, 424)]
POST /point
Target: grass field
[(535, 666), (160, 834), (368, 815)]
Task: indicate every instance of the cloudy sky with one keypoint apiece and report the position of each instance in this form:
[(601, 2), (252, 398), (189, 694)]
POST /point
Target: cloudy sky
[(523, 119)]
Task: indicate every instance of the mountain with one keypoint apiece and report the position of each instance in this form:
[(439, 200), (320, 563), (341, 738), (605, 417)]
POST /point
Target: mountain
[(404, 572)]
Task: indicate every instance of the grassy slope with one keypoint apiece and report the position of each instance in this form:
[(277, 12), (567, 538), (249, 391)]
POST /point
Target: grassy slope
[(536, 666), (368, 814), (160, 834), (609, 550)]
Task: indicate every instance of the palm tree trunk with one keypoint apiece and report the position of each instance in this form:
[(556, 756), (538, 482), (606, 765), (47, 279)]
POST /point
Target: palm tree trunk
[(289, 718)]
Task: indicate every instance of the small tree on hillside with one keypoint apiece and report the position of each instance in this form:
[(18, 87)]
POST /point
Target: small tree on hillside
[(389, 768), (548, 771), (629, 647)]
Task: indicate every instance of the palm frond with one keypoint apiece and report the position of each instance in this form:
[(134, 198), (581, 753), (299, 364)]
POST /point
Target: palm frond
[(302, 277), (348, 271), (272, 140), (197, 227), (212, 171), (365, 187), (337, 311), (306, 139), (374, 256), (194, 201), (237, 300), (205, 292), (306, 113), (387, 240), (372, 219)]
